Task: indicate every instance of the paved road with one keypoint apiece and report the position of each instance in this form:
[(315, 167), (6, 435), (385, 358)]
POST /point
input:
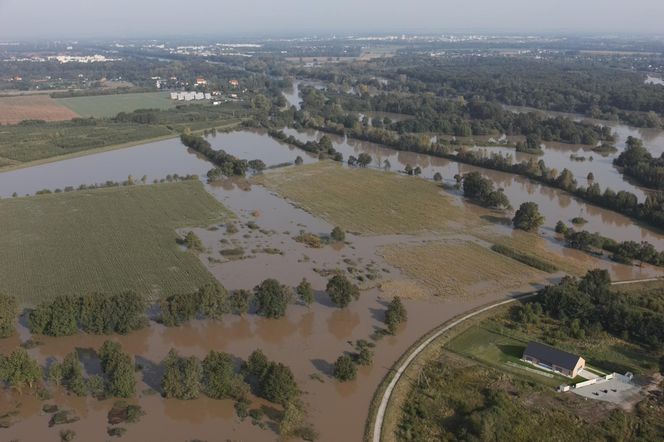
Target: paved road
[(380, 414)]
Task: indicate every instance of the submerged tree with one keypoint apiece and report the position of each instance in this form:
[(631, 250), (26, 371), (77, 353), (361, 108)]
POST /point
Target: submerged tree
[(342, 291), (528, 217), (345, 369), (7, 315), (395, 314), (305, 292), (272, 298)]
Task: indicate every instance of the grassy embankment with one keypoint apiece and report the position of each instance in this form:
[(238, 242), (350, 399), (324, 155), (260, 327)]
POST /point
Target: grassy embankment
[(463, 378), (103, 240), (374, 202)]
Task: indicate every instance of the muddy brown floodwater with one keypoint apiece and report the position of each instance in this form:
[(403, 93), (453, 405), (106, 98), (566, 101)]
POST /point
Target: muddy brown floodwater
[(308, 339)]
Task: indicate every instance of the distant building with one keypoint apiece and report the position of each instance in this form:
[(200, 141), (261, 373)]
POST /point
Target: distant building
[(200, 81), (553, 359), (234, 83), (174, 95)]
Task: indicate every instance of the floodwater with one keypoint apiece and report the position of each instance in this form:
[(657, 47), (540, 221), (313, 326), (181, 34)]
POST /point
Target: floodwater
[(309, 339), (654, 80), (294, 97)]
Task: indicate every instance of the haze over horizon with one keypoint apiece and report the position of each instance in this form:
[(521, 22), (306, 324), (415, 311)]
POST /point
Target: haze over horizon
[(31, 19)]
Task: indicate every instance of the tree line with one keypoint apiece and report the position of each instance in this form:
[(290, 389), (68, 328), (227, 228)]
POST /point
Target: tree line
[(323, 147), (625, 252), (226, 164), (589, 305)]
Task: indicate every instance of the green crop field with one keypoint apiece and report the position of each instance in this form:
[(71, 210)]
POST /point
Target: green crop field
[(101, 106), (104, 240)]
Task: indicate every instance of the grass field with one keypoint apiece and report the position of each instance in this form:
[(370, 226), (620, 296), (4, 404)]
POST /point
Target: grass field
[(531, 245), (25, 143), (369, 201), (600, 350), (32, 107), (500, 351), (104, 240), (106, 106), (459, 268)]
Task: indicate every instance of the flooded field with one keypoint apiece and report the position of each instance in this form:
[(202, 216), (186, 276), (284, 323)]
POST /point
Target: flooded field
[(308, 339)]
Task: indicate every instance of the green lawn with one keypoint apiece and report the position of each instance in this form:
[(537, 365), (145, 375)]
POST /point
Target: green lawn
[(104, 240), (101, 106), (503, 352)]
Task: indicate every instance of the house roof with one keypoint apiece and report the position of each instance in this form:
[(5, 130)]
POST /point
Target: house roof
[(551, 355)]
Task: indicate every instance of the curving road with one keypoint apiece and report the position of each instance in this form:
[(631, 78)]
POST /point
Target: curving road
[(380, 414)]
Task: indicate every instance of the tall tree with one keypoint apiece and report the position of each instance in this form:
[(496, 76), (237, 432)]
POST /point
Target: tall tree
[(528, 217)]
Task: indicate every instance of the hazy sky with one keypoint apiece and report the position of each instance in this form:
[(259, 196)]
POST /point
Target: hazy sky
[(130, 18)]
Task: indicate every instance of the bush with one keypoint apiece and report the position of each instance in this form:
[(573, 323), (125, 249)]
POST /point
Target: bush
[(395, 314), (525, 259), (338, 234)]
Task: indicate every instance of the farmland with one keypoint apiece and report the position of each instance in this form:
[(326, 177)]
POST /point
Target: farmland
[(462, 275), (104, 240), (366, 201), (106, 106), (29, 142), (33, 107)]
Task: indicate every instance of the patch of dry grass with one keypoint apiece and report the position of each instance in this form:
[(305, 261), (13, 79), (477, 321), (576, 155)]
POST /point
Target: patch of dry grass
[(459, 268), (32, 107), (527, 243), (369, 201)]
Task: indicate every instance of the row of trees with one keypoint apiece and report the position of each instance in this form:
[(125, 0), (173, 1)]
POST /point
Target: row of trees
[(94, 313), (624, 252), (227, 164), (323, 147)]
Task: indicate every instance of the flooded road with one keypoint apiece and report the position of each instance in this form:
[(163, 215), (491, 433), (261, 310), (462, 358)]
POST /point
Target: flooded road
[(308, 339)]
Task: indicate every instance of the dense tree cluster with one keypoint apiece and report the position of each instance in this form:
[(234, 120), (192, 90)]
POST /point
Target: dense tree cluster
[(433, 114), (591, 304), (19, 370), (480, 189), (592, 89), (639, 164), (182, 377), (271, 380), (209, 301), (93, 313), (118, 370)]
